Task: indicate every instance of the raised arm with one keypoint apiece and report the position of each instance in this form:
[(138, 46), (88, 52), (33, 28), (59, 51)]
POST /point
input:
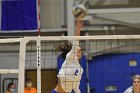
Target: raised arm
[(75, 44), (79, 25)]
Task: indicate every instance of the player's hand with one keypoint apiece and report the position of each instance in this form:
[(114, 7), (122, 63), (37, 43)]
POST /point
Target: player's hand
[(78, 53)]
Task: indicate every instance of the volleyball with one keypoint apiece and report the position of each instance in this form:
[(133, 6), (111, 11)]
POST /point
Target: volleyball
[(79, 11)]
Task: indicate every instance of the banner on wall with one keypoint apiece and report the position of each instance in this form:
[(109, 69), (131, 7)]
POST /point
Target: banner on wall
[(18, 15)]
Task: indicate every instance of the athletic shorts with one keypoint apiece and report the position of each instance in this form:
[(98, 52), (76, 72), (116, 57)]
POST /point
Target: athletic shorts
[(53, 91)]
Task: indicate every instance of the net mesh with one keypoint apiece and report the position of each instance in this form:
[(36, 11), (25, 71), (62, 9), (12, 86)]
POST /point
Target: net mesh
[(8, 65), (109, 64)]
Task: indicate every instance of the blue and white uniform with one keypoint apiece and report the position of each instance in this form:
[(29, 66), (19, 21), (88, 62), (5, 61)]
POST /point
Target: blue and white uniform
[(71, 71), (129, 90)]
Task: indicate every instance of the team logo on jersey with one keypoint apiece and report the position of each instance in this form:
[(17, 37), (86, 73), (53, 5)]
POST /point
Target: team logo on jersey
[(76, 72)]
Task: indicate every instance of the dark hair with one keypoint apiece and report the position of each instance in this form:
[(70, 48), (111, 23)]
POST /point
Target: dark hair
[(28, 80), (65, 48), (9, 85)]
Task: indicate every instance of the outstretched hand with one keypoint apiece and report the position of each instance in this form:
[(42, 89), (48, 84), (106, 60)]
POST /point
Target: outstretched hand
[(79, 25)]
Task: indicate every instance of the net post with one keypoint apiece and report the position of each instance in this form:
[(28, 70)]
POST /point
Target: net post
[(87, 76), (38, 66), (21, 74)]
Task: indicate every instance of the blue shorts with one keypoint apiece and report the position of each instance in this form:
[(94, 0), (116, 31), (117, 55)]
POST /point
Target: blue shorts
[(53, 91)]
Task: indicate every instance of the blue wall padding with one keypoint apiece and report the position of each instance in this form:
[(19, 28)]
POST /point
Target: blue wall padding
[(83, 84), (112, 69)]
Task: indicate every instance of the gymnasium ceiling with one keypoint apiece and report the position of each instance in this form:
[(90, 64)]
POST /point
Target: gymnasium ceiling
[(121, 12), (113, 3)]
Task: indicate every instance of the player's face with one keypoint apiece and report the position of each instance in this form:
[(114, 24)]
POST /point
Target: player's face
[(136, 83), (79, 52), (12, 86)]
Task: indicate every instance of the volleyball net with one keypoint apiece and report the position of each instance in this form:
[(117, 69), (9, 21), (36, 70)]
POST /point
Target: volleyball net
[(109, 62)]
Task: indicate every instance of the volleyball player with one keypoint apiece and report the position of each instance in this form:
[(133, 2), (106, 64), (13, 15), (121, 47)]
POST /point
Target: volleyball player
[(11, 88), (70, 74), (136, 85)]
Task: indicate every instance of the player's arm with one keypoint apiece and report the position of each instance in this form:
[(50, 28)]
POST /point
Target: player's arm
[(79, 24), (75, 47)]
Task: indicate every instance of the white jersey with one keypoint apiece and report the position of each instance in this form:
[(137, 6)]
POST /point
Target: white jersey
[(129, 90), (71, 71)]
